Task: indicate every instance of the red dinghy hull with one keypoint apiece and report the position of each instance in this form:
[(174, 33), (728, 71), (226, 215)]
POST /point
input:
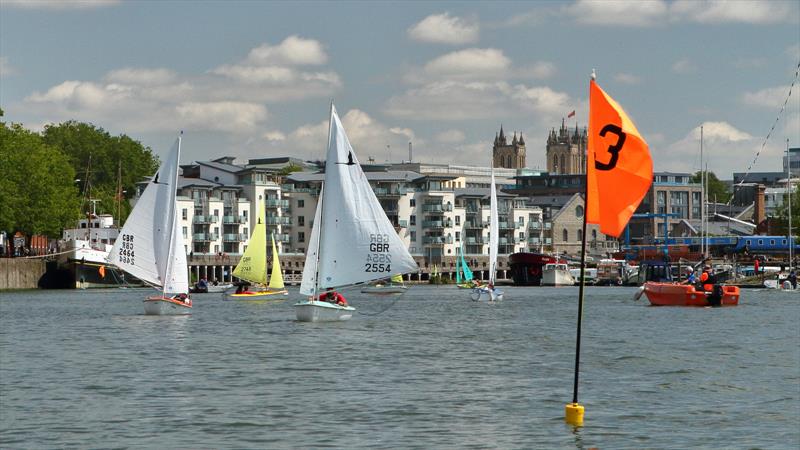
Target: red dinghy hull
[(673, 294)]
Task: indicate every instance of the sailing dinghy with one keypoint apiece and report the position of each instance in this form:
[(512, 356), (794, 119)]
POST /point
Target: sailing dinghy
[(464, 277), (253, 266), (352, 240), (490, 292), (150, 245)]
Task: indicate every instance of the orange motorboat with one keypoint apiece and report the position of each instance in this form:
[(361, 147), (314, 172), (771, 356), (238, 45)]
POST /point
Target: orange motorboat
[(674, 294)]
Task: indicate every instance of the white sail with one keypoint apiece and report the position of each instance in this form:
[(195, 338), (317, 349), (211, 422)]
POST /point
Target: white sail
[(150, 246), (493, 232), (358, 243), (309, 281)]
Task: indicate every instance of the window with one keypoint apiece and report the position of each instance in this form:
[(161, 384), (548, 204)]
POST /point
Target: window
[(521, 235), (458, 236), (760, 242), (216, 230), (185, 230), (413, 235), (216, 213), (412, 220), (412, 202), (301, 250), (184, 214), (301, 236), (580, 235), (772, 242), (244, 231), (216, 249), (579, 211), (458, 220), (521, 220), (244, 214), (594, 234), (301, 203), (565, 235), (301, 221)]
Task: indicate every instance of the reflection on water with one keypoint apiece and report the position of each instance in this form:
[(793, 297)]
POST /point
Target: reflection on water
[(433, 370)]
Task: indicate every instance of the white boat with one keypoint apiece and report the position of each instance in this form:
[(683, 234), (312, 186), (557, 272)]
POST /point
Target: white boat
[(150, 245), (253, 267), (490, 292), (557, 275), (589, 275), (352, 241)]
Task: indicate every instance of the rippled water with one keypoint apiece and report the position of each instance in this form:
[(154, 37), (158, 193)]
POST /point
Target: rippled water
[(87, 369)]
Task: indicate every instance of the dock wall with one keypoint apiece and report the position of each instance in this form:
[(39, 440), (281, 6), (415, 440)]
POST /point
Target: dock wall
[(21, 273)]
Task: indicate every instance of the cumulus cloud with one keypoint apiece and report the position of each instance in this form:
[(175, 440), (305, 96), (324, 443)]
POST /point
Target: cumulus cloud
[(445, 29), (293, 50), (627, 78), (469, 63), (758, 12), (727, 149), (59, 4), (642, 13), (274, 135), (230, 98), (771, 98)]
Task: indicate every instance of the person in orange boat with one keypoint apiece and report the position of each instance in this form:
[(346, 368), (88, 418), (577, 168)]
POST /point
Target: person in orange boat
[(690, 277)]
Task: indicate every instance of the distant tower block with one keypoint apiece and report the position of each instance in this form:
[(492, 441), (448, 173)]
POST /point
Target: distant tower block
[(566, 152), (508, 156)]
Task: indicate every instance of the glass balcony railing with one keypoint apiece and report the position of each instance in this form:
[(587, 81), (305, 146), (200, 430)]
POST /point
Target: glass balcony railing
[(205, 237), (234, 219), (234, 237), (205, 219)]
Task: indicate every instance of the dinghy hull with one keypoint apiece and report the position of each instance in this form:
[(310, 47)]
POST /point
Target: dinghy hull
[(673, 294), (316, 311), (165, 306), (259, 295), (482, 294)]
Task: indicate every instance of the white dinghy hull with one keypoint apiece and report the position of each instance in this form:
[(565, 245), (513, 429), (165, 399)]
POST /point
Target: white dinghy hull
[(486, 294), (161, 306), (316, 311)]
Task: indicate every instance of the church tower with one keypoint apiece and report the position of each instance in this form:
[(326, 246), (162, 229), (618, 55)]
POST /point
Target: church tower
[(566, 152), (508, 155)]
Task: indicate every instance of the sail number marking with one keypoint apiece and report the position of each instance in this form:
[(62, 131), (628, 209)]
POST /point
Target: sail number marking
[(378, 260), (126, 254)]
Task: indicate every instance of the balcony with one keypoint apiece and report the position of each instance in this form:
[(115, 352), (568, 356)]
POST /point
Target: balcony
[(234, 237), (285, 238), (534, 225), (275, 203), (205, 219), (279, 220), (389, 192), (475, 241), (234, 219), (436, 207), (205, 237), (437, 240), (534, 240), (474, 225), (403, 224), (435, 224), (548, 225)]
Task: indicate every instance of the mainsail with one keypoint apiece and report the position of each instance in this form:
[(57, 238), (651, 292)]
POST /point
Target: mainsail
[(150, 245), (463, 264), (357, 242), (276, 276), (308, 284), (253, 265)]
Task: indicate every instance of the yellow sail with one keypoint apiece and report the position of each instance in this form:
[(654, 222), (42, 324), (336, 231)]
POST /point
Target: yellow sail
[(397, 278), (253, 265), (276, 277)]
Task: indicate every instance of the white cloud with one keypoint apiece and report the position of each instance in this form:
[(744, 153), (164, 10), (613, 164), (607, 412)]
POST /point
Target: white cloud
[(294, 50), (641, 13), (683, 67), (726, 148), (450, 136), (771, 98), (141, 76), (222, 116), (6, 69), (445, 29), (59, 4), (274, 135), (740, 11), (538, 70), (627, 78), (368, 136), (469, 63)]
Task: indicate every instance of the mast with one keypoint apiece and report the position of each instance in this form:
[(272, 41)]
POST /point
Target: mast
[(171, 227), (789, 211), (322, 205), (702, 200), (119, 194)]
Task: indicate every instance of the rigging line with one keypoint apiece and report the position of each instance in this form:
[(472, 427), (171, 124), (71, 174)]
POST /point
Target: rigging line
[(397, 298), (777, 119)]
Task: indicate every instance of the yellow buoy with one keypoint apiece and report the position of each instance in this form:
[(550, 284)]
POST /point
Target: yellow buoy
[(574, 414)]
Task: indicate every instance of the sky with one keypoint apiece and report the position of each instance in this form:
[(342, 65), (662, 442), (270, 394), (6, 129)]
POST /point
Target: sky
[(255, 79)]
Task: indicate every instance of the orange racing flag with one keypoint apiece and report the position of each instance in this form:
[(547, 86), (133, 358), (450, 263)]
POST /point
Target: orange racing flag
[(619, 168), (102, 271)]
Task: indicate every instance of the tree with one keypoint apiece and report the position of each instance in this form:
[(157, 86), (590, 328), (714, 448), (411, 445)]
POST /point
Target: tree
[(81, 142), (782, 219), (717, 190), (37, 189), (289, 169)]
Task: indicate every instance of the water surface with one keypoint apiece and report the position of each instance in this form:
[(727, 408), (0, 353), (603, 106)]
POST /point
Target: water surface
[(87, 369)]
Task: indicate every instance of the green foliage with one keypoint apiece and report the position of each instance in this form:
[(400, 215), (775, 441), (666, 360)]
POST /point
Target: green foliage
[(717, 190), (80, 141), (37, 188), (782, 218), (291, 168)]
